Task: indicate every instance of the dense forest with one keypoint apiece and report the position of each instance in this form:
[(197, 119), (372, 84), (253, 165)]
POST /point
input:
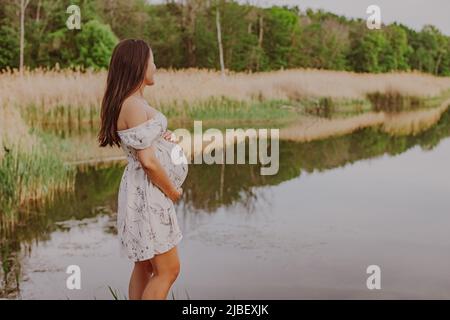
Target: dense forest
[(185, 34)]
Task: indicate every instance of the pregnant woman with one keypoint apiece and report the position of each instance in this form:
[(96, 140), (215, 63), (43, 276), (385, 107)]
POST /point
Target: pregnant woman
[(146, 221)]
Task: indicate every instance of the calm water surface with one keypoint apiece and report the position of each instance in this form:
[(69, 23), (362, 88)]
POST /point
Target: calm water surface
[(335, 207)]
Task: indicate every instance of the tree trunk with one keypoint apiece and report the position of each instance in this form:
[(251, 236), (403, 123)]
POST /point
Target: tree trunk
[(219, 40), (188, 23), (23, 6), (260, 40), (38, 11), (261, 31), (438, 63)]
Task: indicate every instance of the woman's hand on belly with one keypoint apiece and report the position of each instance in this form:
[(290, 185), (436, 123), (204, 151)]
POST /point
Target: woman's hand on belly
[(169, 136)]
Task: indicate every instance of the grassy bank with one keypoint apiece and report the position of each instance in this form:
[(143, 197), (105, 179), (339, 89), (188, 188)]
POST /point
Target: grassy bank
[(30, 170), (28, 178)]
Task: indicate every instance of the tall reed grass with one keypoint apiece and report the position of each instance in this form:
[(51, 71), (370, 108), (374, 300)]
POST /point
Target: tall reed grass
[(14, 132), (73, 97), (28, 177), (30, 170)]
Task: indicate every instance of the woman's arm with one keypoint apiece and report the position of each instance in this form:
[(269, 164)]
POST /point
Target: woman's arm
[(135, 114), (157, 173)]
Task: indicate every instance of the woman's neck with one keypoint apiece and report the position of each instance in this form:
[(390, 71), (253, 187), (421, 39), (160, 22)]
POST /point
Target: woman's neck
[(139, 92)]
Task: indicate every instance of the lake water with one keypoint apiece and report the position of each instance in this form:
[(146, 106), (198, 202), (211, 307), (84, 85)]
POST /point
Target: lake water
[(335, 207)]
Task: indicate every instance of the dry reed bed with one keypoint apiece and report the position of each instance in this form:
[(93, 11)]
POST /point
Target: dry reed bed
[(50, 89), (14, 133)]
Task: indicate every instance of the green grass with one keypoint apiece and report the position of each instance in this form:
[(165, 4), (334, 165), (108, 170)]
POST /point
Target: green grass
[(64, 115), (29, 178), (222, 108), (115, 294)]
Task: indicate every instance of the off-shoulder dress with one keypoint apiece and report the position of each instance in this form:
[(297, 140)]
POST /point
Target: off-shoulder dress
[(146, 218)]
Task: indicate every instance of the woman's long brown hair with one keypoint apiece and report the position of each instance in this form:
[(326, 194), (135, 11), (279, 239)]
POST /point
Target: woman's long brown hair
[(126, 73)]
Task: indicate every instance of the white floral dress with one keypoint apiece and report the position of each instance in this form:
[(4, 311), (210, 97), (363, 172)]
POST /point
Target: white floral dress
[(146, 218)]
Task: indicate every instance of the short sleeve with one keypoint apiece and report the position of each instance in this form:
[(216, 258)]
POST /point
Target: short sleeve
[(142, 136)]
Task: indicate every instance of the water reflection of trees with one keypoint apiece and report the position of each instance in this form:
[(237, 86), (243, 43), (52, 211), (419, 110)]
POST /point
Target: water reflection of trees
[(210, 187)]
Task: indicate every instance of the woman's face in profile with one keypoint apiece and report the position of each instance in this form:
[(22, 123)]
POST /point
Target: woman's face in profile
[(151, 70)]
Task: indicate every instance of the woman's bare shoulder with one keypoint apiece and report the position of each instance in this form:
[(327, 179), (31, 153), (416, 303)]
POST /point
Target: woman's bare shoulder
[(132, 113)]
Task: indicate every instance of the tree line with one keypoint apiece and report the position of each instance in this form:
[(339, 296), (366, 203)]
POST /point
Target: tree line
[(214, 34)]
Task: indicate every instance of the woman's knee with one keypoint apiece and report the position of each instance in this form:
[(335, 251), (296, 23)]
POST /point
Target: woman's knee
[(170, 272), (167, 265)]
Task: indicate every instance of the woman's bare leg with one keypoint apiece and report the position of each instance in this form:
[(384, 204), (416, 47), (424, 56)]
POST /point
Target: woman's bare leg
[(140, 276), (166, 269)]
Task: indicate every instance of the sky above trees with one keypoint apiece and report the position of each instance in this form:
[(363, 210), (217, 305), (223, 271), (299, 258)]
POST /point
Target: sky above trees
[(413, 13)]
